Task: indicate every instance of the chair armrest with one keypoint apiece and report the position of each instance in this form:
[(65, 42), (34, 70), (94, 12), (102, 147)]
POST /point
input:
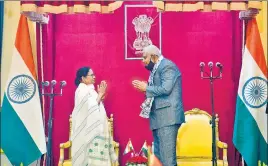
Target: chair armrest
[(63, 146), (116, 144), (149, 155), (116, 149), (223, 146)]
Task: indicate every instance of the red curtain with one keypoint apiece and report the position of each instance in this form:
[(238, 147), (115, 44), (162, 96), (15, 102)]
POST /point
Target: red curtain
[(73, 41), (70, 6)]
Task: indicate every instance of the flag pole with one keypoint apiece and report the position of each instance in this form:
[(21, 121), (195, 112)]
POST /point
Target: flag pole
[(243, 49), (140, 151), (243, 36), (242, 16), (245, 16), (141, 147), (132, 147)]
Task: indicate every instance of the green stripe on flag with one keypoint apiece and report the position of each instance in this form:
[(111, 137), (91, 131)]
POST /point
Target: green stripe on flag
[(145, 151), (16, 141), (247, 137)]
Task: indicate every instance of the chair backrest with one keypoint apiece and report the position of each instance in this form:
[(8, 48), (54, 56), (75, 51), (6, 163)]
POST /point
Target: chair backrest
[(70, 127), (111, 124), (195, 135)]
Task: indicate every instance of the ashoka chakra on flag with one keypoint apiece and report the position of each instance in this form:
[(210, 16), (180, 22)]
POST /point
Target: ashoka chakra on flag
[(255, 92), (21, 89)]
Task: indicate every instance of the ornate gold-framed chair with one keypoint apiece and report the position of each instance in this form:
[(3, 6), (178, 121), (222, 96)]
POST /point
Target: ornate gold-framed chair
[(68, 144), (194, 140)]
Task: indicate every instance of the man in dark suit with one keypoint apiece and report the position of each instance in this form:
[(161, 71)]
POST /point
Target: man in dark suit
[(163, 104)]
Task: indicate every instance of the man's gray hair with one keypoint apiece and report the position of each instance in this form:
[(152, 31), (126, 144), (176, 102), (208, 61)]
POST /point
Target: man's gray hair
[(152, 49)]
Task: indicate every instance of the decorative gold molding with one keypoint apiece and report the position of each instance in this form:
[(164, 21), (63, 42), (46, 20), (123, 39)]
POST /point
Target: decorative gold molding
[(193, 7), (76, 8), (184, 6), (201, 112)]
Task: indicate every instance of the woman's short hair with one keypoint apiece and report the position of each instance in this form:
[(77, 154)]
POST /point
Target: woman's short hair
[(82, 72)]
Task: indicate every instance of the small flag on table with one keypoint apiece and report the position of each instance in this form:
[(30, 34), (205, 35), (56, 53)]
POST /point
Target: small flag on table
[(144, 149), (129, 147)]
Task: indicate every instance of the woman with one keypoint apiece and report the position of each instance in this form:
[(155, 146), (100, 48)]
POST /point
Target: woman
[(91, 136)]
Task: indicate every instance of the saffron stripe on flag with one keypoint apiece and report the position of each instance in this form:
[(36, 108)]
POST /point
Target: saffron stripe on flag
[(254, 45), (25, 47)]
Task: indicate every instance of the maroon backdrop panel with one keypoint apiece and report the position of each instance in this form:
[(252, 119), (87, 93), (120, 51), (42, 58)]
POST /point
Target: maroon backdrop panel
[(97, 41)]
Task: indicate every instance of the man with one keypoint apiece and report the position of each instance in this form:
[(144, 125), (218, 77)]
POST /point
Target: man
[(163, 104)]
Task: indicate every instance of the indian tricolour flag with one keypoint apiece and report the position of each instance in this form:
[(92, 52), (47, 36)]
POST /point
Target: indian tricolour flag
[(129, 147), (250, 129), (22, 130), (144, 149)]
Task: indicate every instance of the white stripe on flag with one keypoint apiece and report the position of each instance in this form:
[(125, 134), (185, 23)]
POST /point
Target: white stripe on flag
[(251, 69)]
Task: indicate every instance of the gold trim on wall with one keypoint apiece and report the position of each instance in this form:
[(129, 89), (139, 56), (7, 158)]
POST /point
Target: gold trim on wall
[(77, 8), (183, 6)]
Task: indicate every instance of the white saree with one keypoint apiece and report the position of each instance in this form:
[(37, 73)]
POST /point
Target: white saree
[(92, 143)]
